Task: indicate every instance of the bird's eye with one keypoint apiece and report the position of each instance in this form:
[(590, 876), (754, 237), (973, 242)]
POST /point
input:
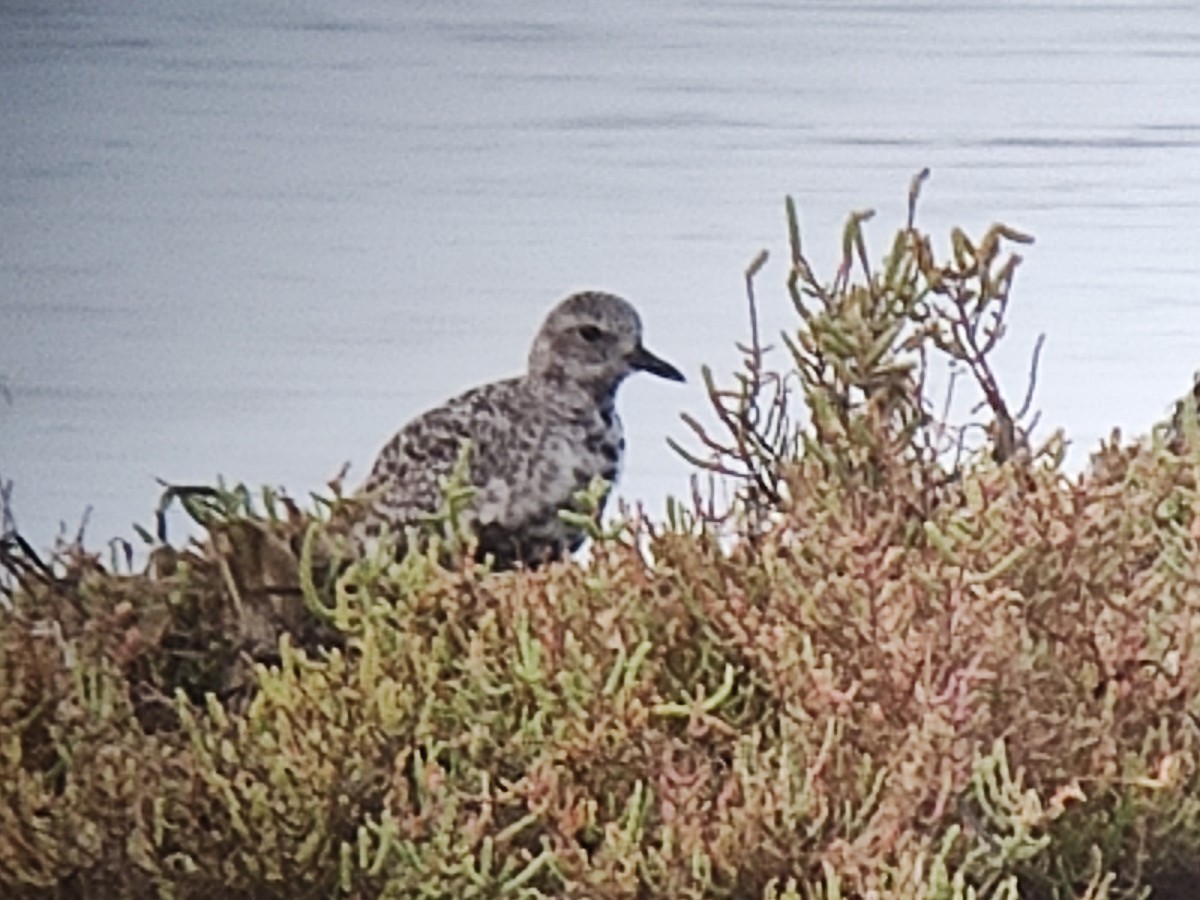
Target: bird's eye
[(589, 333)]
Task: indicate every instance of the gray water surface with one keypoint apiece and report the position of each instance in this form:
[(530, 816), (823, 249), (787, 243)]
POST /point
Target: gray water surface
[(254, 239)]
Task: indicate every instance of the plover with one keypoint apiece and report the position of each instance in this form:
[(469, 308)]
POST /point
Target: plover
[(535, 440)]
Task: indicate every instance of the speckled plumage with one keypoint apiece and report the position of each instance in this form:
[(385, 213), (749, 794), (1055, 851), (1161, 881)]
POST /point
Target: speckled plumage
[(536, 440)]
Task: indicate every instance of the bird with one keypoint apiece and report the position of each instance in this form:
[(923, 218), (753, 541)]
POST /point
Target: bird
[(532, 443)]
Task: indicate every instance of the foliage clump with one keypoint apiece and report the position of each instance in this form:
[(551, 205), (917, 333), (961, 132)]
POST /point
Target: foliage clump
[(910, 658)]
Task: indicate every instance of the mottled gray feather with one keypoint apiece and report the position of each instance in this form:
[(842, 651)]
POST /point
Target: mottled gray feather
[(536, 440)]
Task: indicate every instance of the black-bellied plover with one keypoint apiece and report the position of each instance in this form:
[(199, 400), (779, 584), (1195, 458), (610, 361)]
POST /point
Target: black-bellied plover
[(535, 441)]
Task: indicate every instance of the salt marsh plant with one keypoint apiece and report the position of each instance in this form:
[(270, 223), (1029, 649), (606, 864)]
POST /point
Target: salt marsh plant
[(913, 658)]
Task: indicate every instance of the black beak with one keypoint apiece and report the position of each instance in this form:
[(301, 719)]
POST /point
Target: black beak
[(645, 361)]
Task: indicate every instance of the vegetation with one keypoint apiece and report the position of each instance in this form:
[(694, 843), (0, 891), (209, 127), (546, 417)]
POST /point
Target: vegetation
[(910, 658)]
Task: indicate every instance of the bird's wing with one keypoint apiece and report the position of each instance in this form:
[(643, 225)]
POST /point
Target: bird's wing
[(405, 483)]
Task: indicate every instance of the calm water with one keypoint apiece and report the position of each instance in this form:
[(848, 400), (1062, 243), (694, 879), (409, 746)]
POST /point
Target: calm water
[(253, 239)]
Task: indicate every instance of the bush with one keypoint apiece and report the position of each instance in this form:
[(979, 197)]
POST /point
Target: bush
[(909, 658)]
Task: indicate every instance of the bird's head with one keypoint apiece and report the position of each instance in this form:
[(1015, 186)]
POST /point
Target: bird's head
[(594, 340)]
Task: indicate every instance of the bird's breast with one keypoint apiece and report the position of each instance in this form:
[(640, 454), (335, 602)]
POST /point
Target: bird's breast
[(574, 456), (566, 458)]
